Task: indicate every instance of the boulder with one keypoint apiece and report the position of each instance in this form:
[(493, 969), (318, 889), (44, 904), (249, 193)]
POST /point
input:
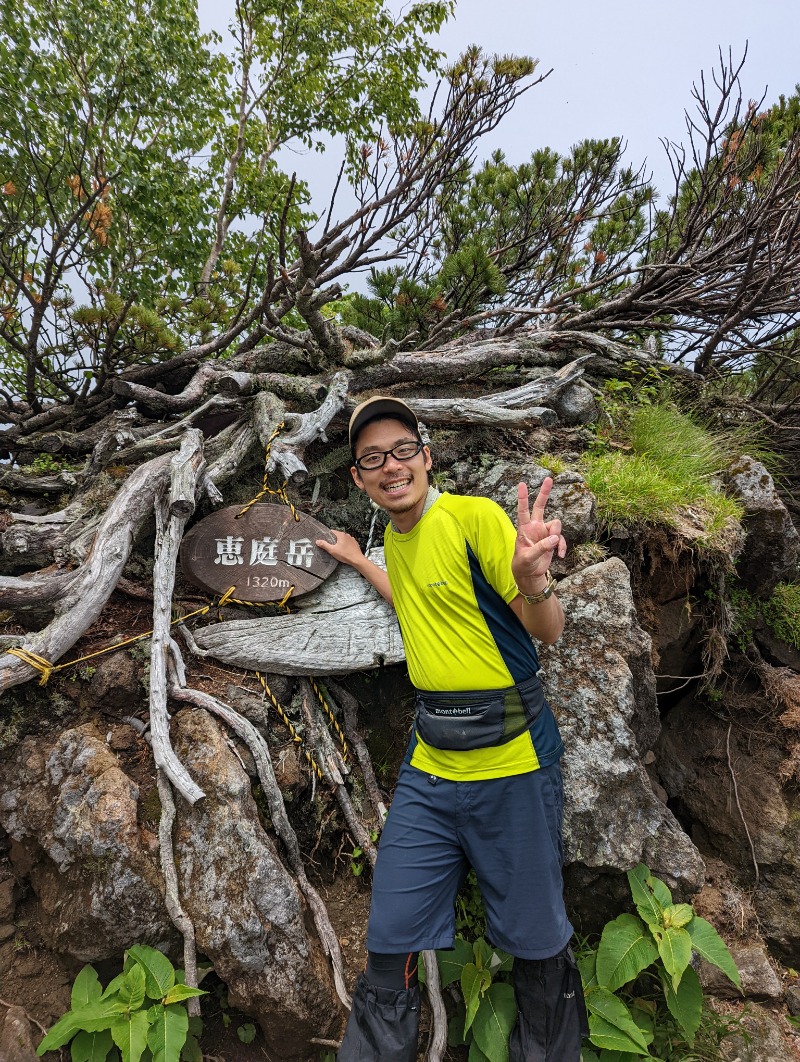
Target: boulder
[(575, 404), (693, 763), (759, 980), (16, 1037), (764, 1038), (600, 682), (772, 545), (72, 812), (249, 916)]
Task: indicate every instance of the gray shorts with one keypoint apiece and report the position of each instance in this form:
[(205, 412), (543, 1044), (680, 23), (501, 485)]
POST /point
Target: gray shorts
[(507, 829)]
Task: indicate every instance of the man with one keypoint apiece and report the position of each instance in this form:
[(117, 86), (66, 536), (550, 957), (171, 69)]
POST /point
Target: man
[(481, 782)]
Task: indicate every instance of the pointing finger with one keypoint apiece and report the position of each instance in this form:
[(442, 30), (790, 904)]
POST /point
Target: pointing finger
[(523, 512), (541, 499)]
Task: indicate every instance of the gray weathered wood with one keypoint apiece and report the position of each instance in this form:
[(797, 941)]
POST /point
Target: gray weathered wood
[(84, 592), (344, 626), (184, 471), (438, 1038)]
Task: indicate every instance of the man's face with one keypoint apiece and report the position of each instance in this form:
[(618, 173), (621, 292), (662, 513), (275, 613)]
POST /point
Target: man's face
[(399, 487)]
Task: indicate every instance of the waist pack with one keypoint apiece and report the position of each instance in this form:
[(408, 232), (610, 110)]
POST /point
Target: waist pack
[(477, 719)]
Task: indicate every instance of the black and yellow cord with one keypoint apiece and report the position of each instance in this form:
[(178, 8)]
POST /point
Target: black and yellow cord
[(46, 669), (273, 700), (278, 492), (333, 720)]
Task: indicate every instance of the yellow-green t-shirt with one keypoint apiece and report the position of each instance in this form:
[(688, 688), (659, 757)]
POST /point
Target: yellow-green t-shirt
[(451, 584)]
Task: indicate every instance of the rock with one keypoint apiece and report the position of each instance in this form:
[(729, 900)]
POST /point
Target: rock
[(763, 1039), (692, 761), (115, 681), (600, 682), (7, 931), (575, 404), (792, 999), (8, 897), (759, 980), (73, 812), (772, 544), (249, 916), (16, 1037)]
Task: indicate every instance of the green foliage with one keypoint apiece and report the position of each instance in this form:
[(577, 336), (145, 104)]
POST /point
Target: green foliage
[(487, 1010), (643, 997), (139, 1016), (781, 612), (664, 473)]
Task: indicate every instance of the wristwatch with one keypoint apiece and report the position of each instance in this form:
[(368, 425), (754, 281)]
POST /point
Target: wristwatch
[(536, 599)]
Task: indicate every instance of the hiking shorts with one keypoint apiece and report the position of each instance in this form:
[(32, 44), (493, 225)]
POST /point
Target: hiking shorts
[(507, 829)]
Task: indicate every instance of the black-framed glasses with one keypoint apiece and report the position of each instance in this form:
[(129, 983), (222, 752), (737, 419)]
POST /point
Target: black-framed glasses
[(377, 459)]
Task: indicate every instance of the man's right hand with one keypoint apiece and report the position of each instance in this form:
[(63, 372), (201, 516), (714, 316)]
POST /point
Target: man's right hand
[(345, 549)]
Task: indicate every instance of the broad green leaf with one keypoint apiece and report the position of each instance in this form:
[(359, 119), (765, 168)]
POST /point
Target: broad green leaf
[(159, 971), (685, 1005), (475, 1053), (473, 984), (646, 903), (495, 1020), (131, 990), (113, 986), (91, 1046), (587, 966), (453, 961), (707, 942), (166, 1036), (660, 890), (190, 1052), (483, 954), (612, 1011), (587, 1055), (179, 992), (675, 949), (86, 987), (678, 915), (91, 1018), (130, 1035), (626, 948), (605, 1035)]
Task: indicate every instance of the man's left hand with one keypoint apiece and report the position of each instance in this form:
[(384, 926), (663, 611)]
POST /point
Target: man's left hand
[(537, 539)]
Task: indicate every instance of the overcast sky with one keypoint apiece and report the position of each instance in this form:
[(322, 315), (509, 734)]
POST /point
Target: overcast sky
[(620, 68)]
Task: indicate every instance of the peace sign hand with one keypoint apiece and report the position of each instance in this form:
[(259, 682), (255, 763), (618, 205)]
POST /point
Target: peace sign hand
[(537, 540)]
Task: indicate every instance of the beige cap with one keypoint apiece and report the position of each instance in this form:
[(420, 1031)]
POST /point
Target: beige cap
[(379, 406)]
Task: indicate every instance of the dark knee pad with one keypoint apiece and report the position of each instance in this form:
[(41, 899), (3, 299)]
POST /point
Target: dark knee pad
[(392, 971)]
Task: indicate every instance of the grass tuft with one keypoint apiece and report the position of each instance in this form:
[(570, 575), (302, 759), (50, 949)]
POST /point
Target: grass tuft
[(668, 477)]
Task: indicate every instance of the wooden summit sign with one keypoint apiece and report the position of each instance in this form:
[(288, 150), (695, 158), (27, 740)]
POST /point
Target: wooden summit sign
[(263, 554)]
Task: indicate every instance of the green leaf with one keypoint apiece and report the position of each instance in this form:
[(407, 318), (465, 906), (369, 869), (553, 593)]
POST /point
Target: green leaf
[(605, 1035), (626, 948), (130, 1035), (678, 915), (91, 1046), (483, 954), (685, 1005), (495, 1020), (113, 986), (675, 949), (246, 1033), (167, 1034), (707, 942), (501, 962), (475, 1053), (453, 961), (180, 992), (92, 1018), (86, 987), (473, 984), (587, 966), (646, 903), (660, 890), (159, 971), (612, 1012), (131, 990), (190, 1052)]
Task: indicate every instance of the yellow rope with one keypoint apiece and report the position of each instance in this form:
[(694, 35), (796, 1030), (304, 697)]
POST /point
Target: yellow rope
[(290, 726), (46, 669), (333, 720), (279, 492)]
